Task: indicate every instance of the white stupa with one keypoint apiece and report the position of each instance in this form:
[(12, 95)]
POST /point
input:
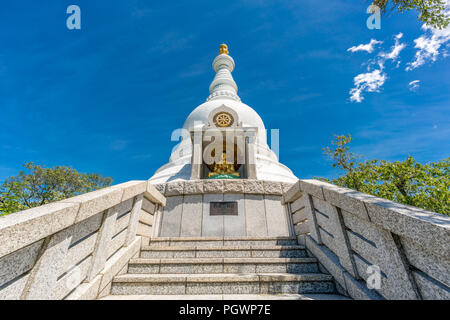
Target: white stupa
[(223, 98)]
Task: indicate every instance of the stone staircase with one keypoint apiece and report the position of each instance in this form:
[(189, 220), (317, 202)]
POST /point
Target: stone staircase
[(216, 268)]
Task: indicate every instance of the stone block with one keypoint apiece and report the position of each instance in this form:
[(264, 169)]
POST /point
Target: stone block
[(156, 195), (122, 223), (255, 216), (234, 226), (191, 221), (312, 187), (285, 186), (298, 204), (95, 202), (272, 188), (144, 230), (358, 289), (148, 206), (293, 193), (233, 186), (106, 291), (175, 188), (86, 291), (49, 266), (311, 219), (193, 187), (101, 252), (430, 229), (327, 258), (212, 226), (13, 290), (277, 223), (70, 280), (161, 187), (118, 261), (171, 217), (365, 228), (146, 218), (299, 216), (430, 288), (18, 262), (116, 243), (301, 228), (240, 288), (18, 230), (436, 266), (80, 251), (134, 219), (213, 186), (253, 186), (347, 199), (132, 189), (203, 288)]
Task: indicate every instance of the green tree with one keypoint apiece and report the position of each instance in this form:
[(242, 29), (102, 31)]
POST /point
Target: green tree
[(410, 182), (431, 12), (40, 185)]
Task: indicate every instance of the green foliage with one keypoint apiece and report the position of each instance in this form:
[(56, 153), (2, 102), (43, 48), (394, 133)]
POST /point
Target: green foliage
[(410, 182), (431, 12), (40, 185)]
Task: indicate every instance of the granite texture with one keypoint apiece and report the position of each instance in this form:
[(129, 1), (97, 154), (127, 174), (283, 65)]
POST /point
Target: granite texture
[(18, 262), (233, 186), (26, 227), (148, 206), (350, 231), (272, 188), (193, 187), (254, 187), (61, 250), (174, 188)]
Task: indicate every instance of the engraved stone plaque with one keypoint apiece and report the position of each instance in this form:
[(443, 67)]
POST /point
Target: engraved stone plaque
[(224, 208)]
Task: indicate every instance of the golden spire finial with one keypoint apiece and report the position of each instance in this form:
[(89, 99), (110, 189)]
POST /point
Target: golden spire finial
[(223, 49)]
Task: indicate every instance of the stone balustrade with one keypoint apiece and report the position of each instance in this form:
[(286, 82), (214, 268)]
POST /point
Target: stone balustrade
[(72, 249), (348, 232)]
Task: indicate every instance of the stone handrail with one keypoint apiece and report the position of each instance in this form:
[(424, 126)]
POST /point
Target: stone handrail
[(71, 249), (355, 235)]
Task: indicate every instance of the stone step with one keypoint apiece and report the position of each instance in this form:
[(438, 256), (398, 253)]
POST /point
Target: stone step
[(155, 252), (222, 265), (314, 296), (260, 283), (219, 242)]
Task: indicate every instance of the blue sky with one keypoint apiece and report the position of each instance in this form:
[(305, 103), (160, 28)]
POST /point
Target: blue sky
[(106, 98)]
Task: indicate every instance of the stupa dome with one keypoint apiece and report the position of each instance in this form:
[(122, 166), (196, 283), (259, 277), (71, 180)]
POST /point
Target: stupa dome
[(223, 96)]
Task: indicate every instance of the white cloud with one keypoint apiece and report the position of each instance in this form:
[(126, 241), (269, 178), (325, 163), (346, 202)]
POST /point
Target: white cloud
[(369, 47), (370, 82), (395, 49), (429, 44), (414, 85)]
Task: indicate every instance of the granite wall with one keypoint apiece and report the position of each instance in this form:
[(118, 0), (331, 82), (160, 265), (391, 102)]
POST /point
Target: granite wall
[(260, 212), (354, 235), (73, 248)]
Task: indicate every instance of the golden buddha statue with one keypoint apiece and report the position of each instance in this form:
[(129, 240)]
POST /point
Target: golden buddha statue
[(224, 168)]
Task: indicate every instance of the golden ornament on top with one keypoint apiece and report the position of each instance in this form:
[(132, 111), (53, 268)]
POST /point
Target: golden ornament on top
[(223, 119), (223, 49)]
